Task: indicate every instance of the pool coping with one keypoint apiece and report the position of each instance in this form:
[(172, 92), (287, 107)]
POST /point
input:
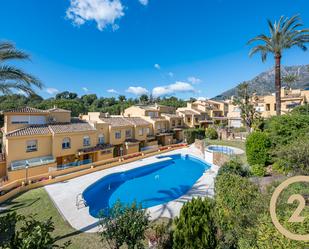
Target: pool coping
[(64, 194)]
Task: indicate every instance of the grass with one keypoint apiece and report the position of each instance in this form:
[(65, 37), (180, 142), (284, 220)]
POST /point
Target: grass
[(37, 202), (234, 143)]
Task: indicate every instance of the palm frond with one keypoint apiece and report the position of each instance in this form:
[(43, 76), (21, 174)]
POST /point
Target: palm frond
[(6, 45), (11, 73), (11, 54), (6, 88)]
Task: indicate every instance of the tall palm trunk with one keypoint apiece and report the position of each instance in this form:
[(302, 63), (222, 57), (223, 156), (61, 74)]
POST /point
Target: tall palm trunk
[(278, 83)]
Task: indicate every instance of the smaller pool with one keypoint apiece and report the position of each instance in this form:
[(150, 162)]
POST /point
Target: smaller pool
[(225, 149)]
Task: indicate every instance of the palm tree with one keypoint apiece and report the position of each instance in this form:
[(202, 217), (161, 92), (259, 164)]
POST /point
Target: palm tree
[(284, 34), (12, 77), (290, 79)]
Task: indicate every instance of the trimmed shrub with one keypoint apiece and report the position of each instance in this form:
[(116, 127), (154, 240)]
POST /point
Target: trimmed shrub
[(257, 148), (192, 134), (258, 170), (233, 166), (211, 133), (195, 227)]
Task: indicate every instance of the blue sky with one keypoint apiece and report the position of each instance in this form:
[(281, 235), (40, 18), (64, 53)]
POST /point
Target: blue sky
[(186, 48)]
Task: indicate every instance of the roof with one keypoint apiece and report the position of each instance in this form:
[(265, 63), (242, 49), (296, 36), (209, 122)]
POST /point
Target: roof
[(171, 115), (55, 109), (26, 110), (148, 107), (71, 127), (189, 112), (30, 130), (137, 121), (116, 121), (52, 128)]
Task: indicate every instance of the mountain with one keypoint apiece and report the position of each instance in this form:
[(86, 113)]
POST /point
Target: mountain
[(264, 83)]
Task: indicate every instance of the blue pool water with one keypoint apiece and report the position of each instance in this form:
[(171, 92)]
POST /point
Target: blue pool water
[(149, 185), (221, 149)]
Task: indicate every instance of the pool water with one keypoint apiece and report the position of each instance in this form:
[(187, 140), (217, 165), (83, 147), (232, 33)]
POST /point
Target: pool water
[(221, 149), (149, 185)]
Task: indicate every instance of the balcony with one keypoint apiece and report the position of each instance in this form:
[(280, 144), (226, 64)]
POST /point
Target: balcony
[(38, 161), (74, 164), (98, 147)]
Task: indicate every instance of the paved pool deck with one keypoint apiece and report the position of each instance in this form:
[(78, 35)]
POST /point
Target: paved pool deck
[(64, 194)]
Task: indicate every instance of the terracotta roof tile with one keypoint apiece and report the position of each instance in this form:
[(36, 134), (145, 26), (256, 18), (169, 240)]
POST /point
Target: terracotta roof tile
[(137, 121), (27, 110), (30, 130), (116, 121)]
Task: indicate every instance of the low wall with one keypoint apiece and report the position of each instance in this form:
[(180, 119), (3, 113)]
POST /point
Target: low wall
[(18, 186), (219, 158)]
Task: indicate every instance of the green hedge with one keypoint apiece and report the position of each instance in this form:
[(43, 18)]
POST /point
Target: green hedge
[(257, 148), (211, 133), (192, 134)]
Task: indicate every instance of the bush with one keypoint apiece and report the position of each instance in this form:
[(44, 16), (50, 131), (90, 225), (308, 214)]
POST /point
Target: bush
[(233, 166), (192, 134), (294, 156), (195, 227), (281, 166), (124, 225), (284, 129), (211, 133), (258, 148), (258, 170), (238, 202)]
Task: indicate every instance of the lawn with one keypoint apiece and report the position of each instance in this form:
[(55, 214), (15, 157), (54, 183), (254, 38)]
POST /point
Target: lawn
[(38, 202)]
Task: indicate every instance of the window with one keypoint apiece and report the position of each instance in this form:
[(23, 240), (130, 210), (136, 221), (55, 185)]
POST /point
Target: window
[(147, 130), (22, 119), (128, 133), (158, 126), (32, 145), (86, 141), (140, 132), (173, 123), (117, 134), (101, 139), (179, 122), (196, 120), (188, 119), (275, 107), (66, 143), (267, 107)]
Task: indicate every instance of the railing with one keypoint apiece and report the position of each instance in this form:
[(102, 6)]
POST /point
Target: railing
[(12, 188), (73, 164)]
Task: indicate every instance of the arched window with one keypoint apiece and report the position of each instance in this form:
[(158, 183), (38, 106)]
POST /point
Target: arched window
[(66, 143), (101, 139), (86, 141)]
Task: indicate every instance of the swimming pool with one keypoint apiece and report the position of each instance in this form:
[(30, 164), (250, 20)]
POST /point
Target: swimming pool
[(221, 149), (150, 185), (225, 149)]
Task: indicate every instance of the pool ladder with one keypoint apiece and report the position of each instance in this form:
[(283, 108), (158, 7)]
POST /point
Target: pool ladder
[(80, 201)]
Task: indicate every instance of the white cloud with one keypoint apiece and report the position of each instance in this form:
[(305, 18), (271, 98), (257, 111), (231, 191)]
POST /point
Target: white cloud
[(112, 91), (144, 2), (177, 87), (103, 12), (194, 80), (171, 74), (157, 66), (51, 90), (137, 90), (85, 89)]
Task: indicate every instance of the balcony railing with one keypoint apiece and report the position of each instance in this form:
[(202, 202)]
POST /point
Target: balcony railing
[(73, 164)]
